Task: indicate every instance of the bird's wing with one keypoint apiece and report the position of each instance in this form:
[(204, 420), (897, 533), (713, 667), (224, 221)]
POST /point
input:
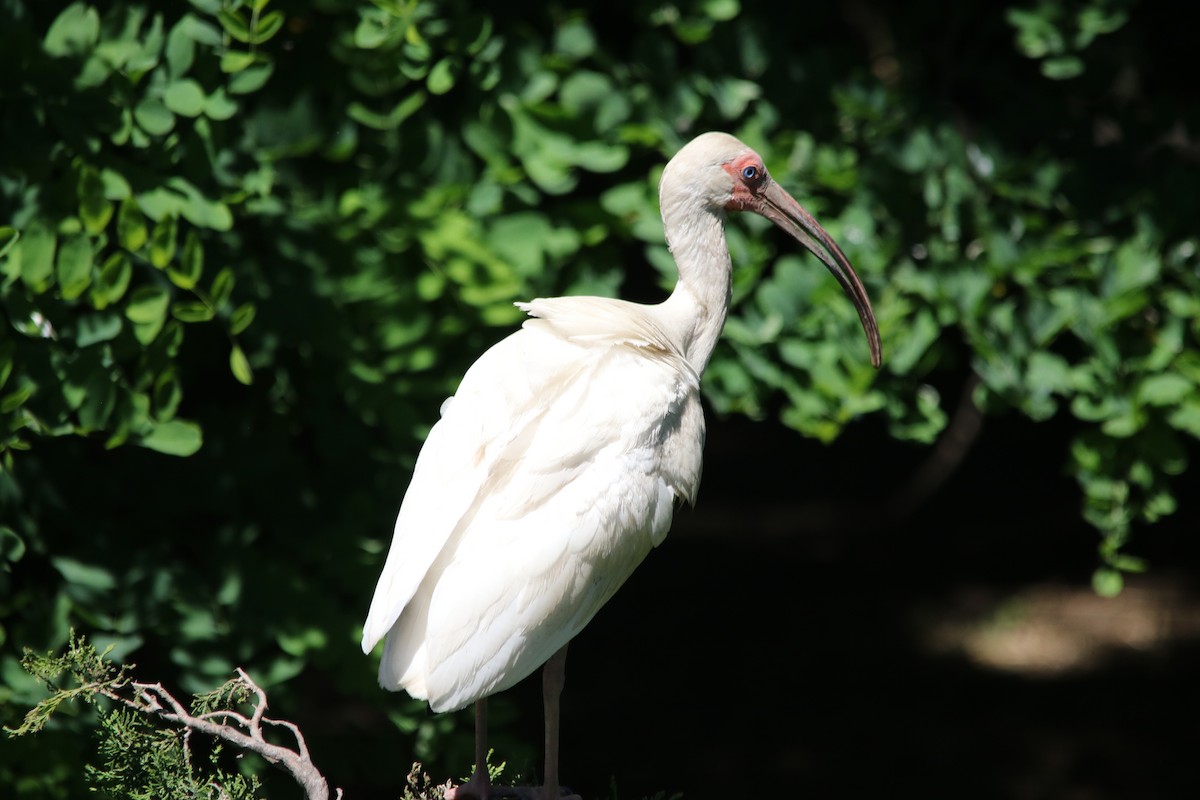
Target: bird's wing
[(497, 398), (552, 472), (572, 503)]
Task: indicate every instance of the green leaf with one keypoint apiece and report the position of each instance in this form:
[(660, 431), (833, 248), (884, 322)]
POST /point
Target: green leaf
[(192, 311), (222, 287), (7, 350), (268, 25), (1166, 389), (1135, 267), (441, 77), (154, 117), (95, 328), (250, 79), (919, 337), (1107, 582), (185, 97), (235, 24), (298, 643), (240, 365), (131, 226), (8, 237), (162, 242), (175, 437), (1187, 417), (94, 208), (210, 7), (147, 304), (16, 398), (12, 546), (88, 576), (584, 89), (721, 10), (74, 31), (181, 47), (234, 61), (36, 252), (99, 399), (198, 209), (186, 272), (167, 395), (241, 318), (113, 280), (74, 266), (1062, 68), (218, 106), (400, 112), (575, 39)]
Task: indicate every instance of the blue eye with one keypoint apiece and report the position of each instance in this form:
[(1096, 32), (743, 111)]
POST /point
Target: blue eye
[(750, 173)]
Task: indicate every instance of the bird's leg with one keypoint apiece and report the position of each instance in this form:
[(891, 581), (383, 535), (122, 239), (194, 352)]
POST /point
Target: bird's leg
[(554, 675), (479, 787)]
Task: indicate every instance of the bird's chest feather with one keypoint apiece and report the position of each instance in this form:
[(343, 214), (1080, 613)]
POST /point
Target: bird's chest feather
[(621, 434)]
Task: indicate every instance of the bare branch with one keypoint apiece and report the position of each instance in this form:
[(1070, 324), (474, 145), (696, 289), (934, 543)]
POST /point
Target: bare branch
[(301, 746), (226, 715), (241, 731)]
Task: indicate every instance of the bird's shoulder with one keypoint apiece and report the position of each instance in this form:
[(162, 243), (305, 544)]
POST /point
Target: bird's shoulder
[(604, 321)]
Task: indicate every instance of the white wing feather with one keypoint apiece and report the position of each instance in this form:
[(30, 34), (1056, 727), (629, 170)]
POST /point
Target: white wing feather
[(550, 476)]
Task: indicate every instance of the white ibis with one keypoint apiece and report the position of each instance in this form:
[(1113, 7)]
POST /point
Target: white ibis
[(555, 467)]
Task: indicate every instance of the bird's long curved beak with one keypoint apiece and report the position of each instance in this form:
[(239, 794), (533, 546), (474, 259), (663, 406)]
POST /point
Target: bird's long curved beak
[(781, 208)]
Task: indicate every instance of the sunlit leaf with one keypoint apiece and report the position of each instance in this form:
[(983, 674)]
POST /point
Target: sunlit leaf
[(162, 242), (112, 281), (154, 117), (175, 437), (185, 97), (222, 287), (74, 266), (94, 208), (185, 272), (73, 32), (241, 318), (240, 365), (36, 257), (95, 328), (131, 226), (147, 304)]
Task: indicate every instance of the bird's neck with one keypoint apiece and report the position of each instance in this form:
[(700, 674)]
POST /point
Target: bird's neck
[(696, 309)]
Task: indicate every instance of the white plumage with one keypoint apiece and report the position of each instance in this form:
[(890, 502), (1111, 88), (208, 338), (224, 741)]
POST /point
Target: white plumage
[(557, 464), (551, 474)]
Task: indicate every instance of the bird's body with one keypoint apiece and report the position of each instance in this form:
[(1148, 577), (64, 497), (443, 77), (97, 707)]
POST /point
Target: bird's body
[(556, 466), (553, 471)]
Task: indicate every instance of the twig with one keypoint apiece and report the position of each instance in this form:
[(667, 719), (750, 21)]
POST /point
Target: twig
[(244, 732)]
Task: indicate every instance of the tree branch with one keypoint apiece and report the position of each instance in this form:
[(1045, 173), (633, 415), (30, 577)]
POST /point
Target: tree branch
[(235, 728)]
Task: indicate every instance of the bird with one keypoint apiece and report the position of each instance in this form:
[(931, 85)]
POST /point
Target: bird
[(556, 466)]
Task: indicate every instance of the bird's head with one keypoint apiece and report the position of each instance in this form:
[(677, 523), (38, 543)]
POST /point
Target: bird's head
[(726, 175)]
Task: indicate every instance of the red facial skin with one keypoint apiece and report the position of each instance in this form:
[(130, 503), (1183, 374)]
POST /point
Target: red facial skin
[(745, 189)]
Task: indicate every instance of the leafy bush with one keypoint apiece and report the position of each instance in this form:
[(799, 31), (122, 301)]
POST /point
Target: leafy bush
[(269, 236)]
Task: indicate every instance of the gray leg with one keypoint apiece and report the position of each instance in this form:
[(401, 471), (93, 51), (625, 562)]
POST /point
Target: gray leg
[(479, 787), (553, 677)]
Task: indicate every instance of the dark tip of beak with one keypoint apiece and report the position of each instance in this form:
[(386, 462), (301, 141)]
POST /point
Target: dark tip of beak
[(781, 208)]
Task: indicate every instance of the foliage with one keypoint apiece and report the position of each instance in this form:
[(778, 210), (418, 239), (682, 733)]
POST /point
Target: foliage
[(247, 247), (139, 759), (143, 762), (92, 674)]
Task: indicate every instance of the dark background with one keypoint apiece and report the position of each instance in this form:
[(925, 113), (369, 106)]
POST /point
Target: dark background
[(785, 642)]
